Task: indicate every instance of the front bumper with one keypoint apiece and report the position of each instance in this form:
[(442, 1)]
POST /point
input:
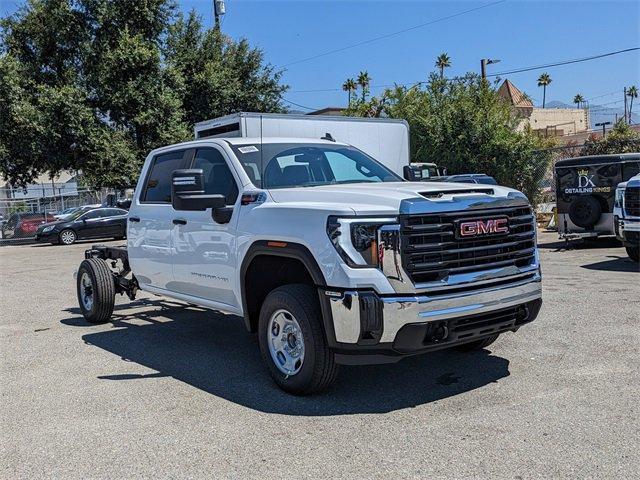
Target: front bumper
[(628, 231), (370, 328), (46, 236)]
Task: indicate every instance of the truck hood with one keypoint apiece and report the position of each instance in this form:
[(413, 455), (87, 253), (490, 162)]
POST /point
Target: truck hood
[(385, 197)]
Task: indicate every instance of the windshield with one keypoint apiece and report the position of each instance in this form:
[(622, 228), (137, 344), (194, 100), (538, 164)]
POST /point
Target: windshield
[(309, 165)]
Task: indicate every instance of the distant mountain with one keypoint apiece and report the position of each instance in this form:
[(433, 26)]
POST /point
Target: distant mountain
[(597, 113)]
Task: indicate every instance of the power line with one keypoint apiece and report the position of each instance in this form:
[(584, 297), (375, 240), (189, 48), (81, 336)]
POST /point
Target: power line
[(564, 62), (393, 34), (298, 105)]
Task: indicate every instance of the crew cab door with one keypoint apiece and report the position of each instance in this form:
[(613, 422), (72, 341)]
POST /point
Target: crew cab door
[(204, 254), (150, 221)]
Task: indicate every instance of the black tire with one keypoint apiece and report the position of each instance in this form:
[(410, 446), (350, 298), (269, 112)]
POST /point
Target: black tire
[(478, 344), (318, 369), (103, 290), (585, 211), (634, 253), (67, 237)]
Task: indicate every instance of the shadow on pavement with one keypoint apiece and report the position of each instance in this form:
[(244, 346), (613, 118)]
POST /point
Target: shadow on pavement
[(214, 353), (615, 264), (587, 244)]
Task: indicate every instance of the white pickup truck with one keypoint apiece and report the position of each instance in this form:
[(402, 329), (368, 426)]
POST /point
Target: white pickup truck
[(327, 254), (626, 214)]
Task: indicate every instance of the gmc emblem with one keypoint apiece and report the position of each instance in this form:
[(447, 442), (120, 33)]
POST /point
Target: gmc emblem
[(475, 228)]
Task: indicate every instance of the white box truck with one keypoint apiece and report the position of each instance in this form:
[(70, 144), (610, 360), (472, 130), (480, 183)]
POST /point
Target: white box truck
[(385, 139)]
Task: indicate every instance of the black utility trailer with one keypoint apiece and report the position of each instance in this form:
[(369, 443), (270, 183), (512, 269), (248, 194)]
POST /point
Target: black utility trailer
[(585, 192)]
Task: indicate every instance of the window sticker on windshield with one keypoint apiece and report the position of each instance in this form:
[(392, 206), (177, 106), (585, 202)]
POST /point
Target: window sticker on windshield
[(249, 149)]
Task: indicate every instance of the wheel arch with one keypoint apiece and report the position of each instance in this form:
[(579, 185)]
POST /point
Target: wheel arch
[(295, 264)]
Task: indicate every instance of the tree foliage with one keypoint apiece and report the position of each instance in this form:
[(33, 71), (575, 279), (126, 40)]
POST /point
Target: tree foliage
[(465, 126), (621, 139), (93, 85)]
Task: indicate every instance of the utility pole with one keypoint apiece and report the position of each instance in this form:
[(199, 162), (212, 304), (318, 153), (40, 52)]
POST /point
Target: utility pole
[(218, 9), (483, 66), (603, 125)]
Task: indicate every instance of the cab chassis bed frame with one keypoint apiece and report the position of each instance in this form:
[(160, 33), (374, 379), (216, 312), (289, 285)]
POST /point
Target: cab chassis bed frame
[(111, 255)]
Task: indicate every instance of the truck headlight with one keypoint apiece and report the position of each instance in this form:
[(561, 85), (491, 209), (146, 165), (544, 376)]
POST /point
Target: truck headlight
[(356, 239), (619, 196)]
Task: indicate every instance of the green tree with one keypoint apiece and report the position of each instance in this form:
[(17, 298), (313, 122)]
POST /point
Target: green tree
[(578, 100), (543, 81), (93, 85), (443, 61), (632, 92), (220, 75), (349, 86), (364, 80), (621, 139)]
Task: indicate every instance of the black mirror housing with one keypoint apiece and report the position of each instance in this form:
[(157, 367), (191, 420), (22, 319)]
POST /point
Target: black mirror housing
[(187, 191), (411, 174)]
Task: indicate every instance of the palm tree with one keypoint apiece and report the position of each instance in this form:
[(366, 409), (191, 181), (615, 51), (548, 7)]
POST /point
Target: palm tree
[(578, 100), (364, 80), (543, 81), (349, 86), (443, 61), (632, 92)]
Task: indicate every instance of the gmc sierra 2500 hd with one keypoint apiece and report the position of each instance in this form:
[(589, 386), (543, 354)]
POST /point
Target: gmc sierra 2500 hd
[(328, 255)]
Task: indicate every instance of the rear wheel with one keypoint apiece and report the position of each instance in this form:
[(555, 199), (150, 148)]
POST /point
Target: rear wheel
[(634, 253), (96, 290), (478, 344), (292, 341), (67, 237)]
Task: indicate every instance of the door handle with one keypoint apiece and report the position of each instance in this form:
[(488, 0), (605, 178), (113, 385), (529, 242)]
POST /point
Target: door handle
[(179, 221), (134, 219)]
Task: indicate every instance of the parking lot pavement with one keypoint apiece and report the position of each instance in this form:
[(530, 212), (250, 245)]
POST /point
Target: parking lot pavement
[(172, 390)]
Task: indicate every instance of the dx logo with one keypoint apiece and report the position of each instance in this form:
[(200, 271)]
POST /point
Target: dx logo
[(584, 179)]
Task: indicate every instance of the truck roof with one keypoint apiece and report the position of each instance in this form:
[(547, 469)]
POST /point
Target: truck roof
[(257, 140), (296, 116)]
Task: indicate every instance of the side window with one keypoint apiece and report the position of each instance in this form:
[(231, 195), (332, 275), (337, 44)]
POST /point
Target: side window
[(92, 214), (158, 186), (218, 178), (113, 212)]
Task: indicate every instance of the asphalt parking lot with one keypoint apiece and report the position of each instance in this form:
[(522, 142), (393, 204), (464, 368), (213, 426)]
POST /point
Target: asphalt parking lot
[(169, 390)]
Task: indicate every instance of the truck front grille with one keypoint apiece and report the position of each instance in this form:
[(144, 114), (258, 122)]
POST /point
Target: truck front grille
[(431, 249), (632, 201)]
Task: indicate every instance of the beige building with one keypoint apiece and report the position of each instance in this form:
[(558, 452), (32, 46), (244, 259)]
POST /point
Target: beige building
[(550, 122)]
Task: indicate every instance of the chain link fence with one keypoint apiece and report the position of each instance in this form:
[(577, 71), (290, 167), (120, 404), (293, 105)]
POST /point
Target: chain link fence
[(23, 210)]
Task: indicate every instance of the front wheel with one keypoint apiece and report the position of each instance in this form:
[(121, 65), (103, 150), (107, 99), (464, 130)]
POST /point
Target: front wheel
[(292, 341), (634, 253), (96, 290), (67, 237)]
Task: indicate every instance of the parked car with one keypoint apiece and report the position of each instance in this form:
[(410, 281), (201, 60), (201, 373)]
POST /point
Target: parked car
[(471, 178), (626, 213), (24, 225), (329, 255), (94, 223), (424, 172)]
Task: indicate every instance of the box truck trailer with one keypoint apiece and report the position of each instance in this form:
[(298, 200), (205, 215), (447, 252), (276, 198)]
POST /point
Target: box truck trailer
[(385, 139)]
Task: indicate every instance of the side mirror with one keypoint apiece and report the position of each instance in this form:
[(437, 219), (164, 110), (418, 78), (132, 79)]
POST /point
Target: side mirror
[(411, 174), (187, 191)]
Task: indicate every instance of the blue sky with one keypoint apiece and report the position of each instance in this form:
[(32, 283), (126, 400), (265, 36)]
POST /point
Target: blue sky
[(519, 33)]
